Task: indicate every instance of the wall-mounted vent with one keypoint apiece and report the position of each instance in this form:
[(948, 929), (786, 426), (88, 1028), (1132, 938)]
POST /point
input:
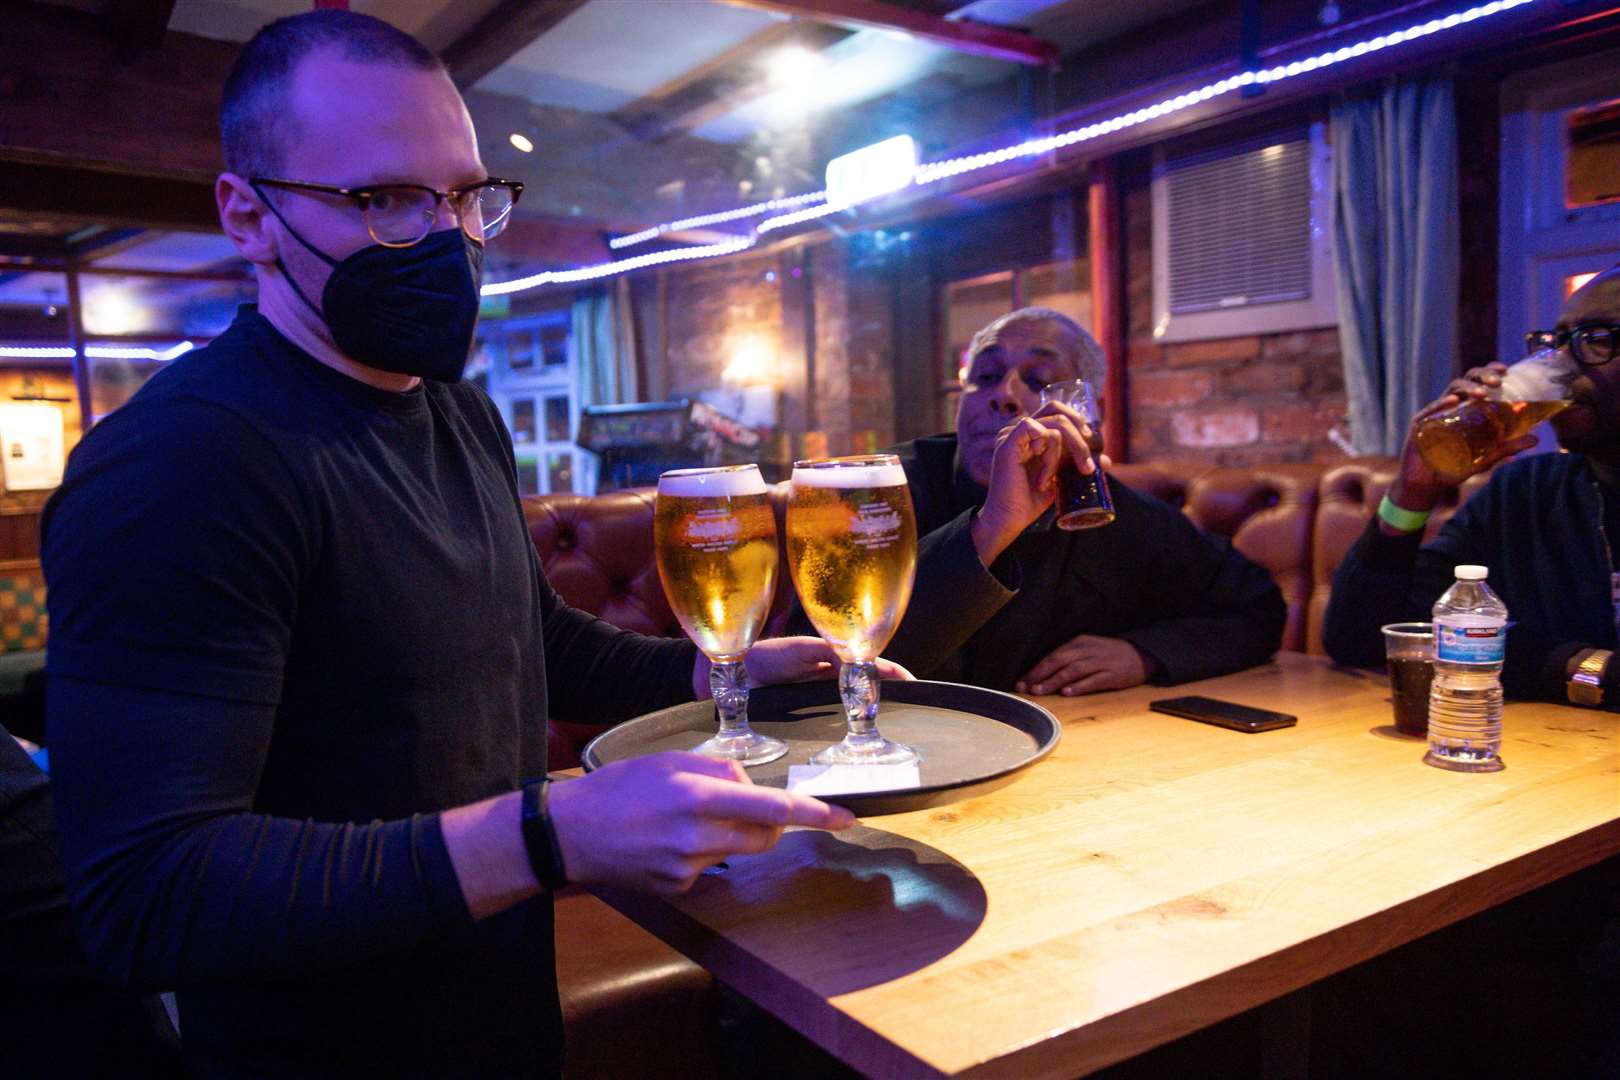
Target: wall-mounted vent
[(1241, 238)]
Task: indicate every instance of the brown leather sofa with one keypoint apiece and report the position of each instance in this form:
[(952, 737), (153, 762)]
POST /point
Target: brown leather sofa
[(1297, 521)]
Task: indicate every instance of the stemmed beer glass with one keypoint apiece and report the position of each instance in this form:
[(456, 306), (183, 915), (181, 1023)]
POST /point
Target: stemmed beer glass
[(714, 535), (852, 551)]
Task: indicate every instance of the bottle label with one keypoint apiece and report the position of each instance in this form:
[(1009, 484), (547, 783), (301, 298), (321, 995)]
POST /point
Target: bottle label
[(1470, 644)]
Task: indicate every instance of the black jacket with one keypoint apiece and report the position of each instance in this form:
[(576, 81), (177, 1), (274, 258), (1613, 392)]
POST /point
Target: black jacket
[(1185, 598), (1539, 527)]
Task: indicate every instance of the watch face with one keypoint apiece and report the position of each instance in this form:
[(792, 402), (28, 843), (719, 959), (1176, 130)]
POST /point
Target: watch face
[(1585, 689)]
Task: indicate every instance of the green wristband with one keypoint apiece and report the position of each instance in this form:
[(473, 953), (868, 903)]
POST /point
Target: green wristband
[(1402, 519)]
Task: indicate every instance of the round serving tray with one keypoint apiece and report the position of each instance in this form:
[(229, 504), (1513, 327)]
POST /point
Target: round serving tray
[(972, 740)]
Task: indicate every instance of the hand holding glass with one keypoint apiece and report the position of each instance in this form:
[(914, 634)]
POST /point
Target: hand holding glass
[(1456, 442), (1083, 499), (852, 551), (714, 535)]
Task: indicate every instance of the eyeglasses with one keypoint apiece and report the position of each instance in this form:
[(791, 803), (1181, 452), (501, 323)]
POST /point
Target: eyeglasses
[(399, 215), (1591, 344)]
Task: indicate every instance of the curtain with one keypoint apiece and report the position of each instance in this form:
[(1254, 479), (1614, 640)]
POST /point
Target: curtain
[(1396, 252), (604, 345)]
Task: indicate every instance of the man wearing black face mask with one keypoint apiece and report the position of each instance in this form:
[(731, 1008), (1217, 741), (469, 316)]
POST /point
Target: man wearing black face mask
[(302, 652)]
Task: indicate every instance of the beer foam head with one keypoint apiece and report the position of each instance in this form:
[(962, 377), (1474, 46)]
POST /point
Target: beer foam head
[(698, 483), (859, 472), (1544, 376)]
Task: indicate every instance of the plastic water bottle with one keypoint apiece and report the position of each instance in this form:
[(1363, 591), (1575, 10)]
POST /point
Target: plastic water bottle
[(1465, 699)]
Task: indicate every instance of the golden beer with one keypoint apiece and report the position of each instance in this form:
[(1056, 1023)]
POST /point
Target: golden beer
[(714, 536), (1457, 441), (852, 550)]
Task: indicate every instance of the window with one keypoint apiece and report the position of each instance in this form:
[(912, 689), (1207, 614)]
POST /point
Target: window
[(1592, 149), (1560, 190), (531, 375), (1241, 240)]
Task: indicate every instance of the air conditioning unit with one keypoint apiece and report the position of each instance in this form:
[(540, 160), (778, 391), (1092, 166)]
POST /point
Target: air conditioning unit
[(1242, 241)]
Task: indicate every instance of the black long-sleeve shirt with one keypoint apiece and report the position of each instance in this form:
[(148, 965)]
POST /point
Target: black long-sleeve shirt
[(293, 619), (1186, 599), (1539, 526)]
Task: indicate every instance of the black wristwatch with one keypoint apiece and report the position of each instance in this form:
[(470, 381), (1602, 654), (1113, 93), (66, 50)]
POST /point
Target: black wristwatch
[(540, 838)]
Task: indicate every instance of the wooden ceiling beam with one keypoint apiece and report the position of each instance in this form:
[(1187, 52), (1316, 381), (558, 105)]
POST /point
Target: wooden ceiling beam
[(501, 35), (68, 199), (72, 95), (140, 24), (961, 35)]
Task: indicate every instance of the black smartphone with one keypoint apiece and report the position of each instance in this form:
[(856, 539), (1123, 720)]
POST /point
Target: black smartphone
[(1226, 714)]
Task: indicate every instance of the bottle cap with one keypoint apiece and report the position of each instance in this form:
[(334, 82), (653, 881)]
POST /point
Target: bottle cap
[(1472, 573)]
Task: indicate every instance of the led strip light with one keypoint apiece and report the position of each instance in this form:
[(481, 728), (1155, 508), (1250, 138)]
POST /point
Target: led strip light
[(98, 352), (933, 172), (718, 218)]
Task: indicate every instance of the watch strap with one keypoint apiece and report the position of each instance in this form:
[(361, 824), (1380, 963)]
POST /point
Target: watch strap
[(1585, 685), (540, 837)]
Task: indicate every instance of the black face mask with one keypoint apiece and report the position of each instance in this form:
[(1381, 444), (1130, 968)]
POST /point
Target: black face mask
[(409, 310)]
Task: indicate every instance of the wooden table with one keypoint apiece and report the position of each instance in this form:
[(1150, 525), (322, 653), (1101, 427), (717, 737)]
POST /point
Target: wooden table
[(1151, 877)]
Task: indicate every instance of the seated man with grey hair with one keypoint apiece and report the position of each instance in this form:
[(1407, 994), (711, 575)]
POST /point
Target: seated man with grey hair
[(1005, 599)]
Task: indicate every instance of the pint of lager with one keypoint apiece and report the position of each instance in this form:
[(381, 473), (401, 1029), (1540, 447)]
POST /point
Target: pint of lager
[(852, 548), (1457, 441), (852, 551), (715, 540), (714, 537)]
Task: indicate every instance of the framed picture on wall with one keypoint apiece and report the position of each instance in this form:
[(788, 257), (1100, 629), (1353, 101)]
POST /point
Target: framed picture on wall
[(523, 420), (557, 426)]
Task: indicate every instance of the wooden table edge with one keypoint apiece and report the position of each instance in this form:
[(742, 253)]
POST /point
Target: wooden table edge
[(1123, 1035)]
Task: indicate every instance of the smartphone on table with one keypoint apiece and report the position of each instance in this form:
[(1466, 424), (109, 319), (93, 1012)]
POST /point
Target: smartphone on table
[(1226, 714)]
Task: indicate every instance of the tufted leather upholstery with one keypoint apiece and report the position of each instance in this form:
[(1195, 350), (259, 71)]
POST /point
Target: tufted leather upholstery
[(1269, 513), (1349, 494)]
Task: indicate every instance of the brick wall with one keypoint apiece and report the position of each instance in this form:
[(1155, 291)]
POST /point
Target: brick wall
[(1231, 401), (712, 307)]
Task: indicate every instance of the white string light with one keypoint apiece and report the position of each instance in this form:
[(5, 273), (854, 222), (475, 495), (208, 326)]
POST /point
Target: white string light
[(934, 172), (620, 266), (718, 218), (98, 352)]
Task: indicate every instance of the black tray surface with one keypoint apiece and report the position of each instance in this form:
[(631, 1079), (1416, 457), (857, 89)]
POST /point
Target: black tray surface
[(972, 740)]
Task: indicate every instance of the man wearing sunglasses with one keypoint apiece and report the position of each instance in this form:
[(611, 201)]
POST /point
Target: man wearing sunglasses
[(1547, 526), (302, 650)]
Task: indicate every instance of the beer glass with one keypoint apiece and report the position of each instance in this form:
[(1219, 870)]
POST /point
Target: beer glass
[(852, 551), (714, 536), (1083, 499), (1457, 441)]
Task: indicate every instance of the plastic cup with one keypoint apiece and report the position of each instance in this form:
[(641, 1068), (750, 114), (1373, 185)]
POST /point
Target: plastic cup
[(1409, 655)]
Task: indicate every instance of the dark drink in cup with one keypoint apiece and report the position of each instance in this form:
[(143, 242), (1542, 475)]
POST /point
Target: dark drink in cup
[(1409, 683), (1083, 499), (1409, 655)]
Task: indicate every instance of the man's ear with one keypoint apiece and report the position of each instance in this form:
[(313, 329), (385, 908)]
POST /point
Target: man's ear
[(245, 220)]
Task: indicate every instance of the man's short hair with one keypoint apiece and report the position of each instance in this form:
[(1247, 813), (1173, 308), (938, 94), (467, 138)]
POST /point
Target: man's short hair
[(254, 120), (1089, 359)]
